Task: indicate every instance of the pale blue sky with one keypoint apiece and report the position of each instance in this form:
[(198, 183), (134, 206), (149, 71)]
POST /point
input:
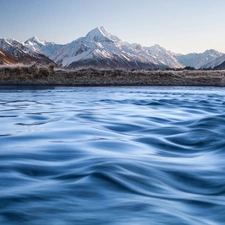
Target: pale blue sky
[(178, 25)]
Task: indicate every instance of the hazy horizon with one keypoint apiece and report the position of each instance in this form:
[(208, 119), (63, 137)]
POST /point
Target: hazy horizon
[(181, 27)]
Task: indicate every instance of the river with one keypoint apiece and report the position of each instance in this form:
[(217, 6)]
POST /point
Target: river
[(112, 155)]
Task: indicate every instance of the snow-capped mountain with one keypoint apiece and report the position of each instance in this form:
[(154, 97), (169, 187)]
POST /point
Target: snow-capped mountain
[(214, 63), (101, 49), (13, 47), (14, 51), (164, 56), (197, 60), (43, 47), (7, 58)]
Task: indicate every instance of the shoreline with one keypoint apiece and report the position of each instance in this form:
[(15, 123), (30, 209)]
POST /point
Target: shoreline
[(32, 76)]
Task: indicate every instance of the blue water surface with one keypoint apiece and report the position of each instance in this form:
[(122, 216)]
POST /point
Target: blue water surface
[(112, 155)]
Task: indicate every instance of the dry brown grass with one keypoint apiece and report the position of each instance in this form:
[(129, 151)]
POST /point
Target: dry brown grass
[(49, 76)]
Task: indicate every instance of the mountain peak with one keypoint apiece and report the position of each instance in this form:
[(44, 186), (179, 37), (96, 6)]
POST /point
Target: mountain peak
[(158, 47), (33, 39), (98, 33), (102, 30), (212, 51)]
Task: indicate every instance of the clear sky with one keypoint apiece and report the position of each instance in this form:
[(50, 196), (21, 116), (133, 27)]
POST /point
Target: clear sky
[(181, 26)]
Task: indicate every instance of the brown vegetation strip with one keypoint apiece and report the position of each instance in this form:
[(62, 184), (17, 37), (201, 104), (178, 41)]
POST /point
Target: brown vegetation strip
[(34, 75)]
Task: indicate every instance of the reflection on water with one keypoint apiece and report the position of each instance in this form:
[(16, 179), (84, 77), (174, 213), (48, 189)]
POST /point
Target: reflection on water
[(122, 155)]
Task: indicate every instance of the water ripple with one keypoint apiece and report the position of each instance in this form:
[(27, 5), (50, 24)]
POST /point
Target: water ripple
[(122, 155)]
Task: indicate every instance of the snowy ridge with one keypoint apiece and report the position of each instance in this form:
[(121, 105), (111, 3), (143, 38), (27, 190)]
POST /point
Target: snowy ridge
[(17, 52), (40, 46), (100, 34), (215, 62), (164, 56), (12, 46), (220, 67), (198, 60)]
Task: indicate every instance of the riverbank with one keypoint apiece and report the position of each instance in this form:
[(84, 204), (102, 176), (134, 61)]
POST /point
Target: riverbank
[(89, 77)]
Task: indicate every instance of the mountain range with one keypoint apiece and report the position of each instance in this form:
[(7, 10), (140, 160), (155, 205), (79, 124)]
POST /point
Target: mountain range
[(100, 49), (14, 52)]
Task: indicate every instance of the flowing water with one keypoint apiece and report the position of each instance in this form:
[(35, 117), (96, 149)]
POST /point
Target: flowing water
[(112, 155)]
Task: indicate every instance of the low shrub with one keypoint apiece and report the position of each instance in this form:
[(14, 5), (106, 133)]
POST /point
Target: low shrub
[(33, 69), (17, 70), (51, 67), (42, 73)]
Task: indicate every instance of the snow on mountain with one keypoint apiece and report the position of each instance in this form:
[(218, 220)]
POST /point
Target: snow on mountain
[(100, 34), (214, 63), (197, 60), (42, 47), (102, 49), (7, 58), (19, 53), (164, 56), (12, 46)]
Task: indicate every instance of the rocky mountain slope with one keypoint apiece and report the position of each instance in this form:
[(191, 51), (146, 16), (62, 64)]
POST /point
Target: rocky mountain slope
[(7, 58), (220, 66), (13, 51), (215, 63), (43, 47)]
